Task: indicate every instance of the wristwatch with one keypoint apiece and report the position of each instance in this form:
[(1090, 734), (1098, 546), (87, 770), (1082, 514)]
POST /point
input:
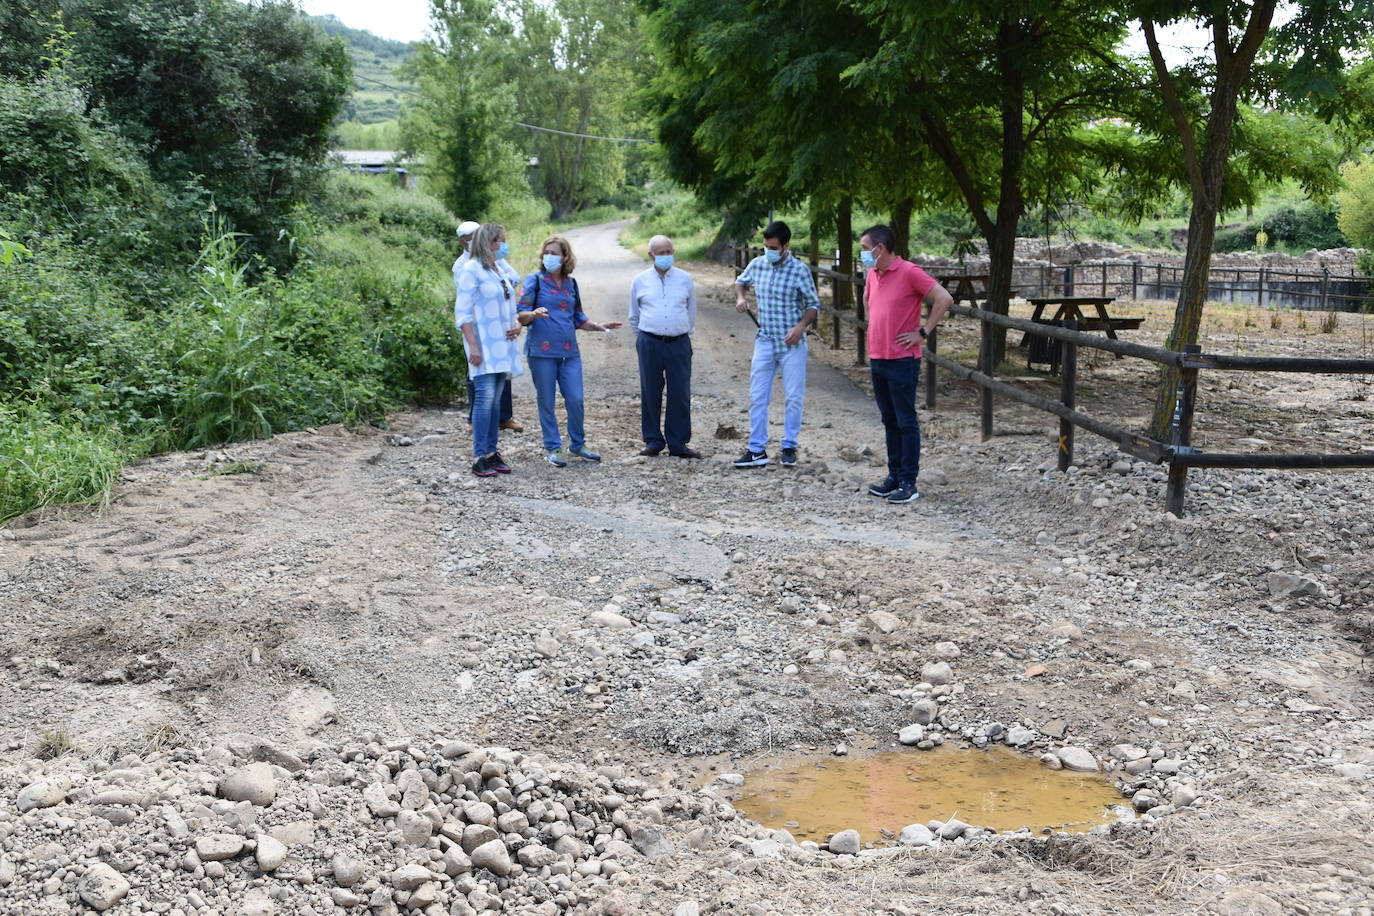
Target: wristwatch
[(922, 332)]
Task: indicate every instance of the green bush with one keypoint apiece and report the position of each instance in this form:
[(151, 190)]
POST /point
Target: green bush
[(47, 459)]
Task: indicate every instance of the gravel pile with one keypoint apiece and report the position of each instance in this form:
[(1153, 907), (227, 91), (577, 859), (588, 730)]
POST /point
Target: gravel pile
[(390, 827)]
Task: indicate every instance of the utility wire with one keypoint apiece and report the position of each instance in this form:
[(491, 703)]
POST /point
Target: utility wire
[(547, 130)]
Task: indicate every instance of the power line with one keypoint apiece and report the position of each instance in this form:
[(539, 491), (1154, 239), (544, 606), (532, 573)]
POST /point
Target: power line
[(568, 133), (547, 130)]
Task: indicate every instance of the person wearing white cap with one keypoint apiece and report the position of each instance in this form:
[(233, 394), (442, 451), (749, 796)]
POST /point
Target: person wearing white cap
[(466, 230)]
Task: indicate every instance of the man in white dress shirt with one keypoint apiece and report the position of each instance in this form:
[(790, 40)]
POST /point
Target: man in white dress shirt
[(663, 312)]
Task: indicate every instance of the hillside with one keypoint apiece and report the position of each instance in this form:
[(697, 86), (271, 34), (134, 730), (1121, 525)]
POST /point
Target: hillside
[(375, 64)]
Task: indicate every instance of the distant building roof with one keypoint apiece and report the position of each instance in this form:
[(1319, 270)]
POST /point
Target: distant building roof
[(372, 158)]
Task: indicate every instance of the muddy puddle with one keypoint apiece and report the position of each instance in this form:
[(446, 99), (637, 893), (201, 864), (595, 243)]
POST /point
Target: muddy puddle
[(994, 788)]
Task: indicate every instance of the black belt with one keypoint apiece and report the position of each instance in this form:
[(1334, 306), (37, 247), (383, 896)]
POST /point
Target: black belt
[(662, 337)]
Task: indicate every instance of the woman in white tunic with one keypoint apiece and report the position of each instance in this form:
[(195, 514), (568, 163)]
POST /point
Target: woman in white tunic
[(485, 312)]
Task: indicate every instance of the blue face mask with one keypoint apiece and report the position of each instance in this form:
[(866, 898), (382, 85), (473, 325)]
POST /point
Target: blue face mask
[(663, 261), (552, 262), (772, 256), (502, 251), (868, 259)]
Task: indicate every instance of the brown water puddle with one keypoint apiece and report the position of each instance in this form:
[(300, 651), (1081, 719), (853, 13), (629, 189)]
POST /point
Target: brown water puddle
[(994, 788)]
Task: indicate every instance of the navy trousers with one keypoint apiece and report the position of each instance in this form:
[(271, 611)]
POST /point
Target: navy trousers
[(665, 363), (894, 388)]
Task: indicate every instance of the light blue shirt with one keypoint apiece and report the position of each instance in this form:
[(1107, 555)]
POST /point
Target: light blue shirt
[(486, 300), (663, 304), (784, 291)]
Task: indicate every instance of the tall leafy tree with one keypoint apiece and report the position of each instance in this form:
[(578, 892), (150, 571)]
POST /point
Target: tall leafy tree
[(579, 70), (1299, 63), (995, 91), (462, 116)]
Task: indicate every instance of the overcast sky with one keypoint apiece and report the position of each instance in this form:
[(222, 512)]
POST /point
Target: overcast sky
[(408, 20)]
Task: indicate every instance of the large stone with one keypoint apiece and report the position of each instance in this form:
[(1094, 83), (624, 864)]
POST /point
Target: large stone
[(347, 871), (915, 835), (409, 877), (41, 794), (456, 862), (1019, 736), (480, 813), (884, 621), (1245, 902), (492, 856), (611, 620), (924, 712), (102, 887), (378, 802), (945, 650), (937, 673), (533, 855), (1127, 752), (416, 829), (845, 843), (1289, 585), (218, 846), (650, 843), (912, 734), (253, 783), (475, 835), (271, 852), (1077, 759)]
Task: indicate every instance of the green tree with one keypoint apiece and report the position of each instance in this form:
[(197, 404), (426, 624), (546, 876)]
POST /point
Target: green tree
[(579, 68), (1297, 64), (1355, 203), (997, 92), (463, 112), (235, 97)]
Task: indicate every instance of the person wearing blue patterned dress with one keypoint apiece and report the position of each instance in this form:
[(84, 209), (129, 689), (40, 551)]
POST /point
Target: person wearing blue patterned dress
[(484, 311), (551, 307), (788, 305)]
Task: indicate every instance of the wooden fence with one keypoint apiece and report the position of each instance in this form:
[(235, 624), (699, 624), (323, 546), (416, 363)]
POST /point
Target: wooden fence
[(1262, 286), (1178, 452)]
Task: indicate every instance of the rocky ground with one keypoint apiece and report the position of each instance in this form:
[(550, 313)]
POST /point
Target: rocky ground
[(333, 672)]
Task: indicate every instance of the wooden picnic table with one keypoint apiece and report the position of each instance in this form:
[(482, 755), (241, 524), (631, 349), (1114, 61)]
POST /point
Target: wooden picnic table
[(963, 290), (1071, 308)]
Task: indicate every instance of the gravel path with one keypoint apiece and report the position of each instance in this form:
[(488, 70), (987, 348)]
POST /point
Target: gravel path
[(359, 601)]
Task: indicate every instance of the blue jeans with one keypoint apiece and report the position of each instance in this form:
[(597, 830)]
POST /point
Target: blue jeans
[(665, 362), (507, 405), (769, 357), (566, 373), (894, 388), (486, 415)]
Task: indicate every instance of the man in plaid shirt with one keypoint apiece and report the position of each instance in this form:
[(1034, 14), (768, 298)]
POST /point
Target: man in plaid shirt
[(788, 305)]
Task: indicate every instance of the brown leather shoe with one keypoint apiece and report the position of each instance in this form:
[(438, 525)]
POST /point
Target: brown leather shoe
[(649, 451), (513, 426), (685, 453)]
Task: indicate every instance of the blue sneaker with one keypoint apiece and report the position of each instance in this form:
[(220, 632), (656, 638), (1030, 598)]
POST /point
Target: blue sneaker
[(884, 489), (554, 456), (906, 493), (584, 453)]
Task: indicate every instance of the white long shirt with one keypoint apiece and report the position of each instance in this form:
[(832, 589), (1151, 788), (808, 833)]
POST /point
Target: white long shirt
[(486, 300), (664, 304)]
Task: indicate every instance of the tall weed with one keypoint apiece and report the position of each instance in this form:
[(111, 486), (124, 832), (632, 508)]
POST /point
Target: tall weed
[(47, 459)]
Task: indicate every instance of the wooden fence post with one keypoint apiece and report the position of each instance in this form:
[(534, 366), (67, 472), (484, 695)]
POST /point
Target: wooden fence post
[(930, 369), (1135, 279), (1259, 292), (1068, 380), (860, 320), (835, 312), (1326, 282), (1182, 435), (985, 365)]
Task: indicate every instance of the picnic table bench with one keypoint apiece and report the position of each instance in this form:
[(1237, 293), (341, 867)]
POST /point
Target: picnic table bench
[(1046, 350), (960, 287)]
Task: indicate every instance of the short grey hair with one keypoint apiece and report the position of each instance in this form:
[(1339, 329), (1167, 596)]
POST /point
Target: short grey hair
[(481, 244), (658, 239)]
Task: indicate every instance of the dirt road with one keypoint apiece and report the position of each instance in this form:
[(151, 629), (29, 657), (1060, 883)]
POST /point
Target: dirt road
[(331, 583)]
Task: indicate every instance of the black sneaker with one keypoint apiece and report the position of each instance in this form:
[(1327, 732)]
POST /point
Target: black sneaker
[(482, 468), (751, 459), (789, 457), (885, 488), (498, 464), (906, 493)]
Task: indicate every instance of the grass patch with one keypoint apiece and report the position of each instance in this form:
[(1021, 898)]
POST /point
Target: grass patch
[(54, 743), (46, 460)]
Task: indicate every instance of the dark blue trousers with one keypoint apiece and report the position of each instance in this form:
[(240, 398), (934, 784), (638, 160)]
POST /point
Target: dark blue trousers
[(665, 363), (894, 388)]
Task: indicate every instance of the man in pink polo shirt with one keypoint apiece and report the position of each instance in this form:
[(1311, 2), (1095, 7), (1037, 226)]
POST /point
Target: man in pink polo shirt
[(894, 291)]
